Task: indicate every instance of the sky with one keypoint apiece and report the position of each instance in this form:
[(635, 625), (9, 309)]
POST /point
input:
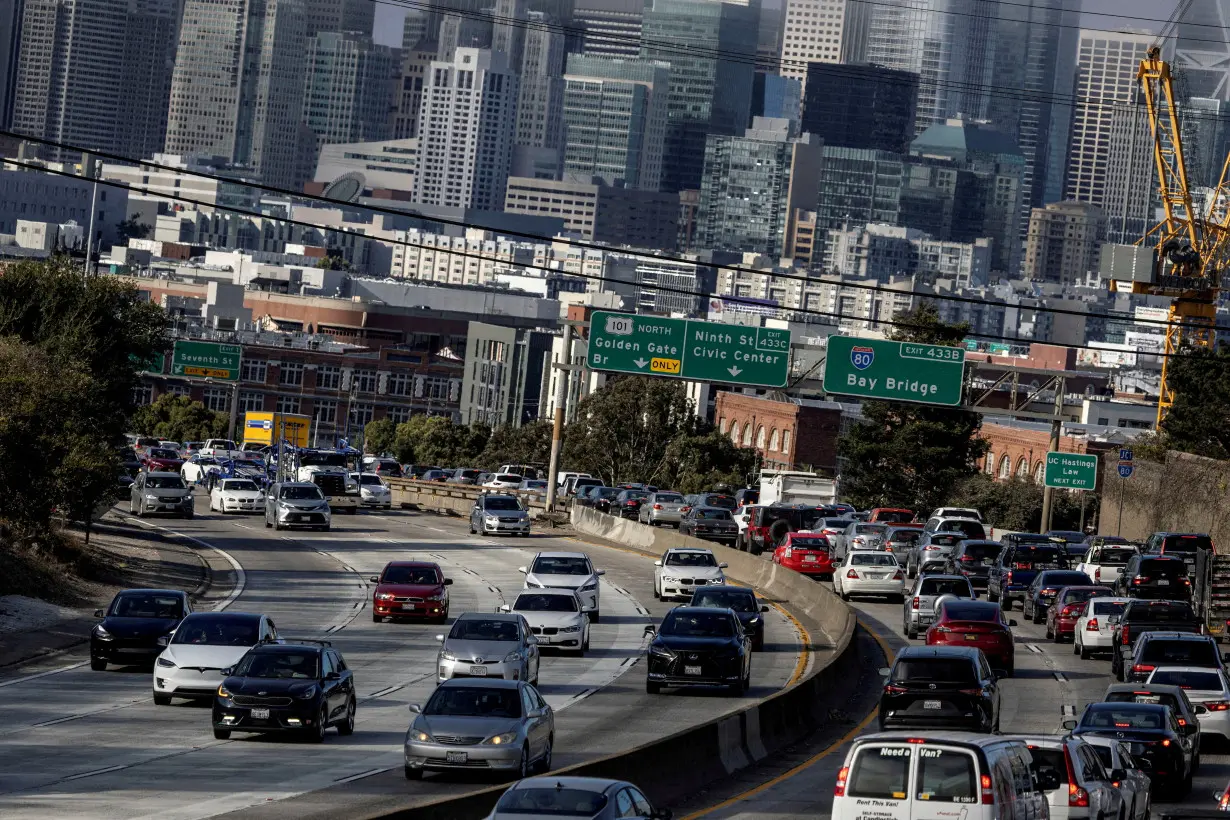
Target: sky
[(388, 18)]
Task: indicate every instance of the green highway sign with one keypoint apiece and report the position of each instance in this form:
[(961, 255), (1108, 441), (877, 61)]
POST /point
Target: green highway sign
[(1070, 471), (688, 349), (894, 371), (206, 360)]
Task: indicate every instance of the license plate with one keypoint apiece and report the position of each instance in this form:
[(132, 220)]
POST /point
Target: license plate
[(456, 757), (1162, 582), (478, 671), (691, 670), (809, 558), (296, 517), (931, 704), (260, 714), (408, 606), (970, 637)]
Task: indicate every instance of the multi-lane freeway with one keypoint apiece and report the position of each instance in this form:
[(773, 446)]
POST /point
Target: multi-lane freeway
[(77, 743)]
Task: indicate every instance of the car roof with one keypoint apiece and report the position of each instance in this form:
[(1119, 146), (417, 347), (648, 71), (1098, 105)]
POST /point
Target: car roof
[(153, 591), (944, 577), (1183, 668), (958, 518), (1152, 707), (1166, 688), (163, 473), (938, 652), (489, 616), (598, 784), (984, 605), (287, 647), (295, 484), (726, 589), (480, 683), (928, 736), (1154, 635), (225, 616), (413, 564), (1043, 741), (691, 549), (703, 610), (560, 554), (1157, 556), (561, 591)]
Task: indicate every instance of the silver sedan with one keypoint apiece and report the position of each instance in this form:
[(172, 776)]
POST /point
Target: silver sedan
[(662, 508), (590, 797), (499, 645), (481, 725)]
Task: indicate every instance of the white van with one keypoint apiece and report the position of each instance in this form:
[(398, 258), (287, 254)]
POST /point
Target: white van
[(936, 776)]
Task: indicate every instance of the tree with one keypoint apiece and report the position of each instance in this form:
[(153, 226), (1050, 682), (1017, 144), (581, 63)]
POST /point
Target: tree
[(436, 440), (705, 460), (1199, 420), (911, 455), (378, 436), (528, 444), (131, 229), (1016, 504), (179, 418)]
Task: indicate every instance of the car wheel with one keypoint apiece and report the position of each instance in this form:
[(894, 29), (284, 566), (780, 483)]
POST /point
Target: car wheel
[(993, 597), (222, 734), (652, 688), (325, 528), (1195, 762), (346, 727), (523, 770), (472, 530), (187, 516), (1051, 634), (377, 619), (656, 595), (911, 632), (1006, 605), (544, 762), (277, 525), (585, 643), (1039, 617), (317, 733), (413, 774), (98, 664), (162, 700), (140, 510)]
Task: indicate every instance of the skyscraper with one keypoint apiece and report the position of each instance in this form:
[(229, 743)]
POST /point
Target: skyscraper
[(338, 15), (711, 47), (347, 88), (237, 90), (823, 31), (1199, 45), (466, 131), (409, 100), (1065, 242), (860, 106), (615, 119), (10, 47), (1106, 68), (540, 104), (610, 28), (149, 61)]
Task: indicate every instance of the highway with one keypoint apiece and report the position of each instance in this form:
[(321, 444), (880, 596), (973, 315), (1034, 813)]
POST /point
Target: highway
[(76, 743)]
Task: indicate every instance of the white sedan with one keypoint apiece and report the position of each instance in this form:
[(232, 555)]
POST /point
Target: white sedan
[(1135, 786), (373, 492), (1204, 687), (869, 573), (556, 617), (196, 468), (681, 570), (1094, 632), (236, 495), (504, 481)]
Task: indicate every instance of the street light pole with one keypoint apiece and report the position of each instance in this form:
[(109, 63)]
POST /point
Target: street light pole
[(557, 428)]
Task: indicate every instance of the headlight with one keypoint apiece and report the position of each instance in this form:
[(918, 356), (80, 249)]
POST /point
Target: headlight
[(307, 694), (532, 584), (166, 664), (421, 736), (502, 740), (721, 579), (590, 587), (438, 597), (660, 650), (149, 497), (570, 629), (447, 656), (755, 620), (101, 633), (513, 657), (491, 519), (222, 691), (669, 580), (385, 596)]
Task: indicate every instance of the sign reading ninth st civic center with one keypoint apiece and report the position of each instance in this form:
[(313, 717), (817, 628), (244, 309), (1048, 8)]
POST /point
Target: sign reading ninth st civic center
[(688, 349), (894, 371)]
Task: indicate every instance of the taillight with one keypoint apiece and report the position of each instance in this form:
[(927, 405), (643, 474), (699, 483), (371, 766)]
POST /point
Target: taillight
[(1126, 634), (894, 689), (942, 629), (965, 559), (750, 529), (657, 506), (974, 692), (788, 552), (840, 789), (851, 574), (988, 794), (914, 603), (1020, 566), (1166, 743), (1009, 578), (1224, 803), (1217, 705), (1077, 796), (1097, 574), (1141, 580), (1143, 667), (899, 576), (1070, 610), (1092, 625)]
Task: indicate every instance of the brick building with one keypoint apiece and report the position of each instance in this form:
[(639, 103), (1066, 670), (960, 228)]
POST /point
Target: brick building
[(1020, 450), (793, 434)]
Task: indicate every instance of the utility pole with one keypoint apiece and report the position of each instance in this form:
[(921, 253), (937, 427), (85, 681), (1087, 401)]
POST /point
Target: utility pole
[(88, 164), (1056, 428), (557, 429), (234, 411)]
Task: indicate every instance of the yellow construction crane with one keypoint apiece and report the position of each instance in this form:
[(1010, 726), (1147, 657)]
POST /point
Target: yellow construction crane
[(1193, 250)]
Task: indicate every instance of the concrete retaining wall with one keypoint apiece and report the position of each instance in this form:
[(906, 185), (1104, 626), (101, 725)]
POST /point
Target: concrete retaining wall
[(455, 499), (715, 750)]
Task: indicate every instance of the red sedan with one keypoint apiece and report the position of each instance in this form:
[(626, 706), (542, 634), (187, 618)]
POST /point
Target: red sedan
[(411, 589), (808, 553), (1069, 604), (980, 624), (162, 460)]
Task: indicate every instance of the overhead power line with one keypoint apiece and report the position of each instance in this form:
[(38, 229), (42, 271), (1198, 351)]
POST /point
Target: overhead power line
[(481, 257), (585, 245)]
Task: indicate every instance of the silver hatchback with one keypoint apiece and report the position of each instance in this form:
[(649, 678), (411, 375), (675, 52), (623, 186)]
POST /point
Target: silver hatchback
[(160, 492), (662, 508), (494, 513), (496, 645)]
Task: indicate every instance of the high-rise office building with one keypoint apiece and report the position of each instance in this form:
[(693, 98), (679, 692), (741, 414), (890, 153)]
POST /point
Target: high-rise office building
[(860, 106), (1198, 43), (1065, 242), (347, 88), (948, 43), (338, 15), (754, 184), (610, 28), (1106, 68), (149, 61), (409, 94), (615, 119), (237, 90), (466, 132), (413, 29), (823, 31), (10, 48), (857, 186), (540, 121), (468, 31), (777, 97), (711, 47)]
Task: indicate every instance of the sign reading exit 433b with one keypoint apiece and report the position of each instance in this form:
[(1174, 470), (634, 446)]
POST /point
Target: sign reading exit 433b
[(894, 371), (688, 349)]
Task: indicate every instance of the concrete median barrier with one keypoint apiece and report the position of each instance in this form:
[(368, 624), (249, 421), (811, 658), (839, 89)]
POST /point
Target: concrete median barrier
[(717, 749)]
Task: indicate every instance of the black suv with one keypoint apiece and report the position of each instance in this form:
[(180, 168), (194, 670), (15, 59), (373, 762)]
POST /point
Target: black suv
[(1152, 732), (1018, 563), (628, 503), (699, 646), (300, 687), (740, 600), (1045, 586), (769, 525), (129, 629), (949, 687), (1155, 577), (1183, 545), (1154, 649), (973, 558)]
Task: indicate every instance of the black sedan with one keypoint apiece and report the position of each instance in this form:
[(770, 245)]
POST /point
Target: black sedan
[(130, 627), (1045, 586), (301, 688), (740, 600), (699, 646), (600, 498), (628, 503), (932, 687), (1151, 732), (711, 524)]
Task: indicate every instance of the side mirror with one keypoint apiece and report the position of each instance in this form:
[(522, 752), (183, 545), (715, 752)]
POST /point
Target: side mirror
[(764, 608), (503, 608), (335, 675), (448, 582), (651, 630), (416, 709), (132, 486), (1200, 709), (440, 639), (375, 579), (98, 613), (163, 640), (657, 563), (228, 671), (723, 566), (531, 640), (1119, 774), (884, 671), (585, 608), (1069, 724), (523, 570), (1012, 622), (600, 572)]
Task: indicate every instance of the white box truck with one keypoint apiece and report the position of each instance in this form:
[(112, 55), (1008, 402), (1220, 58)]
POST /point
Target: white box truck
[(793, 487)]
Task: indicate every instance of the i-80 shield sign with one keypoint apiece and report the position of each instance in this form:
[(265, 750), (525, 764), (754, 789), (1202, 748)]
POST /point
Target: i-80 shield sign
[(862, 357)]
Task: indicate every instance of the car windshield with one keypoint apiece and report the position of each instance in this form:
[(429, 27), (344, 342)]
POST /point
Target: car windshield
[(981, 551), (972, 529), (895, 516), (905, 535), (561, 565), (1167, 568), (1160, 611), (370, 480), (690, 559), (944, 586), (944, 539), (207, 631), (1076, 596), (1029, 556), (1146, 695), (508, 478), (502, 504), (1109, 607), (697, 625), (302, 665), (714, 515), (474, 629), (605, 492), (302, 494), (308, 458), (1110, 717), (420, 576), (240, 485), (668, 498), (726, 599), (809, 542), (971, 611), (466, 701), (1187, 679), (1186, 543), (534, 485), (724, 501), (934, 670), (836, 523), (631, 495), (147, 605), (1059, 579), (872, 559), (537, 602), (1114, 557), (163, 452), (551, 802), (870, 529), (164, 482), (1180, 653)]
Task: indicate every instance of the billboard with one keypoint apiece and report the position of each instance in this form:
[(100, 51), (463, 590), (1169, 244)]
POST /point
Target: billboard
[(1152, 314), (1144, 342)]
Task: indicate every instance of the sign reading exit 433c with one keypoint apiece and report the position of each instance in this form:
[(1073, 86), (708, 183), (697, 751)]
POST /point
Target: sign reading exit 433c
[(894, 371), (688, 349)]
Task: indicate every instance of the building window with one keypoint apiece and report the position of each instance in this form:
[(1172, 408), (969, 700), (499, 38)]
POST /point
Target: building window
[(288, 404), (401, 383), (785, 441), (989, 465), (1039, 472), (435, 388), (747, 434), (1005, 467), (325, 411), (328, 377), (364, 380), (760, 438), (177, 389), (291, 374), (251, 370), (217, 398), (361, 414), (251, 402), (773, 439), (722, 425), (734, 433), (1022, 468), (143, 394), (398, 415)]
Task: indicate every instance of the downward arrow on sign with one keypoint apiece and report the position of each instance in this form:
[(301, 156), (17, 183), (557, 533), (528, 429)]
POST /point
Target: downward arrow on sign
[(734, 371), (639, 362)]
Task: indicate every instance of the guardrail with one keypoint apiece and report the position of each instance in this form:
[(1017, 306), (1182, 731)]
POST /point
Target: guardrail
[(718, 748), (453, 498)]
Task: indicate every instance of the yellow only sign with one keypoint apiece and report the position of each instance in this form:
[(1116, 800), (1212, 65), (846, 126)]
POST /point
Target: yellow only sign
[(207, 372), (670, 366)]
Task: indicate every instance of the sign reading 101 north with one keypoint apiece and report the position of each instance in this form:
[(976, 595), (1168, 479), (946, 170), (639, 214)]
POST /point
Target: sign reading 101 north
[(206, 360), (894, 371), (687, 349)]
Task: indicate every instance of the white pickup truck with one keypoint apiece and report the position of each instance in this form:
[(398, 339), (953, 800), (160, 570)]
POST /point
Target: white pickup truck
[(1104, 562), (220, 448)]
